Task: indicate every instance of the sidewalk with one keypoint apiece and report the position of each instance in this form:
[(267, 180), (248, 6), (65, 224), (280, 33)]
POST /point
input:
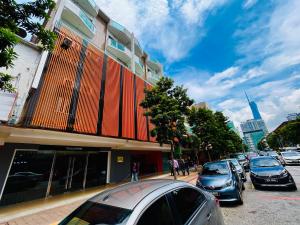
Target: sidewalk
[(53, 210)]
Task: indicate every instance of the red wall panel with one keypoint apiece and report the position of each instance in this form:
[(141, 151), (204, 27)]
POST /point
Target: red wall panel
[(110, 124), (90, 87), (141, 118), (128, 105)]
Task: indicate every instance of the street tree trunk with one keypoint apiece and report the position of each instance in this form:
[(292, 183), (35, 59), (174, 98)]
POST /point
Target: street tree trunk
[(172, 159)]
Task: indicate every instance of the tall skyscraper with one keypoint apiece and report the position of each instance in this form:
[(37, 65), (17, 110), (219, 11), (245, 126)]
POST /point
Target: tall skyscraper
[(254, 130), (254, 109)]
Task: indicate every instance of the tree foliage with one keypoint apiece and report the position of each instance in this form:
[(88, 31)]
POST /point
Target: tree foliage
[(286, 135), (27, 16), (167, 105), (213, 133)]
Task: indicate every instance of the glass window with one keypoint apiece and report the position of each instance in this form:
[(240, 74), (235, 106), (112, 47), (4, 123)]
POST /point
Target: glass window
[(216, 168), (96, 213), (187, 201), (264, 162), (159, 213), (28, 177)]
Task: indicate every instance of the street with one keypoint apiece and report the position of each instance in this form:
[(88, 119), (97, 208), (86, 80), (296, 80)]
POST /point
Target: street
[(270, 207)]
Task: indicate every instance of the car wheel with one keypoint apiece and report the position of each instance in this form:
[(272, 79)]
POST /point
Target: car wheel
[(240, 198)]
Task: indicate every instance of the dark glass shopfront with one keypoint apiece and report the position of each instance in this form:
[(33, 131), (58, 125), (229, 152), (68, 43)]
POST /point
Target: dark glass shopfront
[(36, 174)]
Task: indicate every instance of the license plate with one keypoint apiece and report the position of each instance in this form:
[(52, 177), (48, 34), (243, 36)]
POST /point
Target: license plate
[(215, 193), (271, 180)]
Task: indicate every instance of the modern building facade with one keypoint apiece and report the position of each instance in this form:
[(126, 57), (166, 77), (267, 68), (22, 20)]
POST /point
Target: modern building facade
[(254, 109), (254, 131), (77, 122), (232, 127)]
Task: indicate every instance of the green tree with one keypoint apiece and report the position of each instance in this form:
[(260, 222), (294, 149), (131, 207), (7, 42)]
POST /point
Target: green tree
[(167, 106), (215, 136), (14, 17), (286, 135)]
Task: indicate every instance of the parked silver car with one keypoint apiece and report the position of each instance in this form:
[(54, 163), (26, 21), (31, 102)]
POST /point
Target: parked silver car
[(291, 157), (159, 202)]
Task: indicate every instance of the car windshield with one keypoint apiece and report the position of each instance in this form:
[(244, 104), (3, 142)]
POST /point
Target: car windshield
[(217, 168), (96, 213), (234, 162), (287, 154), (264, 162), (238, 156)]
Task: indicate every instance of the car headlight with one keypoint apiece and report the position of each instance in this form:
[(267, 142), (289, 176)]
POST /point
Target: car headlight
[(228, 183), (284, 173)]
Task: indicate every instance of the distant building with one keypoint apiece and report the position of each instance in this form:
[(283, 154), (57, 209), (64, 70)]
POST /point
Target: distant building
[(201, 105), (254, 109), (253, 131), (292, 116), (254, 125), (231, 126)]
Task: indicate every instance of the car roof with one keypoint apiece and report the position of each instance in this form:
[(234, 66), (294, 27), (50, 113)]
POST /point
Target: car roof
[(231, 159), (130, 194), (262, 157)]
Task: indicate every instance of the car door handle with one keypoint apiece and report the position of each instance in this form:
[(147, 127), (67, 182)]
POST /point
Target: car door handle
[(208, 216)]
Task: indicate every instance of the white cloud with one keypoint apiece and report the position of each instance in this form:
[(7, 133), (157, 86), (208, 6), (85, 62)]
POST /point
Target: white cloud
[(194, 10), (226, 74), (167, 27)]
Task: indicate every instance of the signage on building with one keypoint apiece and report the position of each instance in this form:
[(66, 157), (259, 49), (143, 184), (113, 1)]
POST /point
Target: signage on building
[(120, 159)]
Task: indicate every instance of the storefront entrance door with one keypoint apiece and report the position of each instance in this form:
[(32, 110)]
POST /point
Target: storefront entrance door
[(68, 172)]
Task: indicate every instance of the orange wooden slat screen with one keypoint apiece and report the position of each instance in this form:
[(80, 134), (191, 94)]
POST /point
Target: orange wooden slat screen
[(128, 105), (110, 123), (141, 118), (88, 102), (52, 110)]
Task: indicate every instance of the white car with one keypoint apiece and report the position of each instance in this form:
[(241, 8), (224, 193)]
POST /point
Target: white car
[(291, 157)]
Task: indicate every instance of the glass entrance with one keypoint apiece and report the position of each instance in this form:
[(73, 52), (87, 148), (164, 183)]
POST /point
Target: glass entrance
[(68, 172), (38, 174), (28, 177)]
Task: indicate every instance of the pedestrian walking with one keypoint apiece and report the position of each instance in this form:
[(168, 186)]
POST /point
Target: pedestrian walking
[(181, 166), (171, 167), (176, 166), (187, 165), (134, 171)]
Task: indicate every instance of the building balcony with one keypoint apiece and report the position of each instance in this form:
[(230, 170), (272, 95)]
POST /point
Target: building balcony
[(119, 51), (73, 15), (153, 77), (137, 48), (120, 33), (89, 6), (139, 66), (7, 103), (154, 65)]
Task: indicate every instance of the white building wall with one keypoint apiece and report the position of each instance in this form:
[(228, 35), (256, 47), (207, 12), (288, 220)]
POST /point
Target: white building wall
[(23, 72)]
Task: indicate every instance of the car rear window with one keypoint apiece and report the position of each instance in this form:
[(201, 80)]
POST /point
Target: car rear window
[(95, 213), (287, 154), (218, 168), (264, 162)]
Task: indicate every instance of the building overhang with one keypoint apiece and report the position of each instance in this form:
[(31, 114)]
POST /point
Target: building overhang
[(48, 137)]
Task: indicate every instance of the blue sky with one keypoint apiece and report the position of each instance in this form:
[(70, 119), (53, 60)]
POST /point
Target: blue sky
[(219, 48)]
